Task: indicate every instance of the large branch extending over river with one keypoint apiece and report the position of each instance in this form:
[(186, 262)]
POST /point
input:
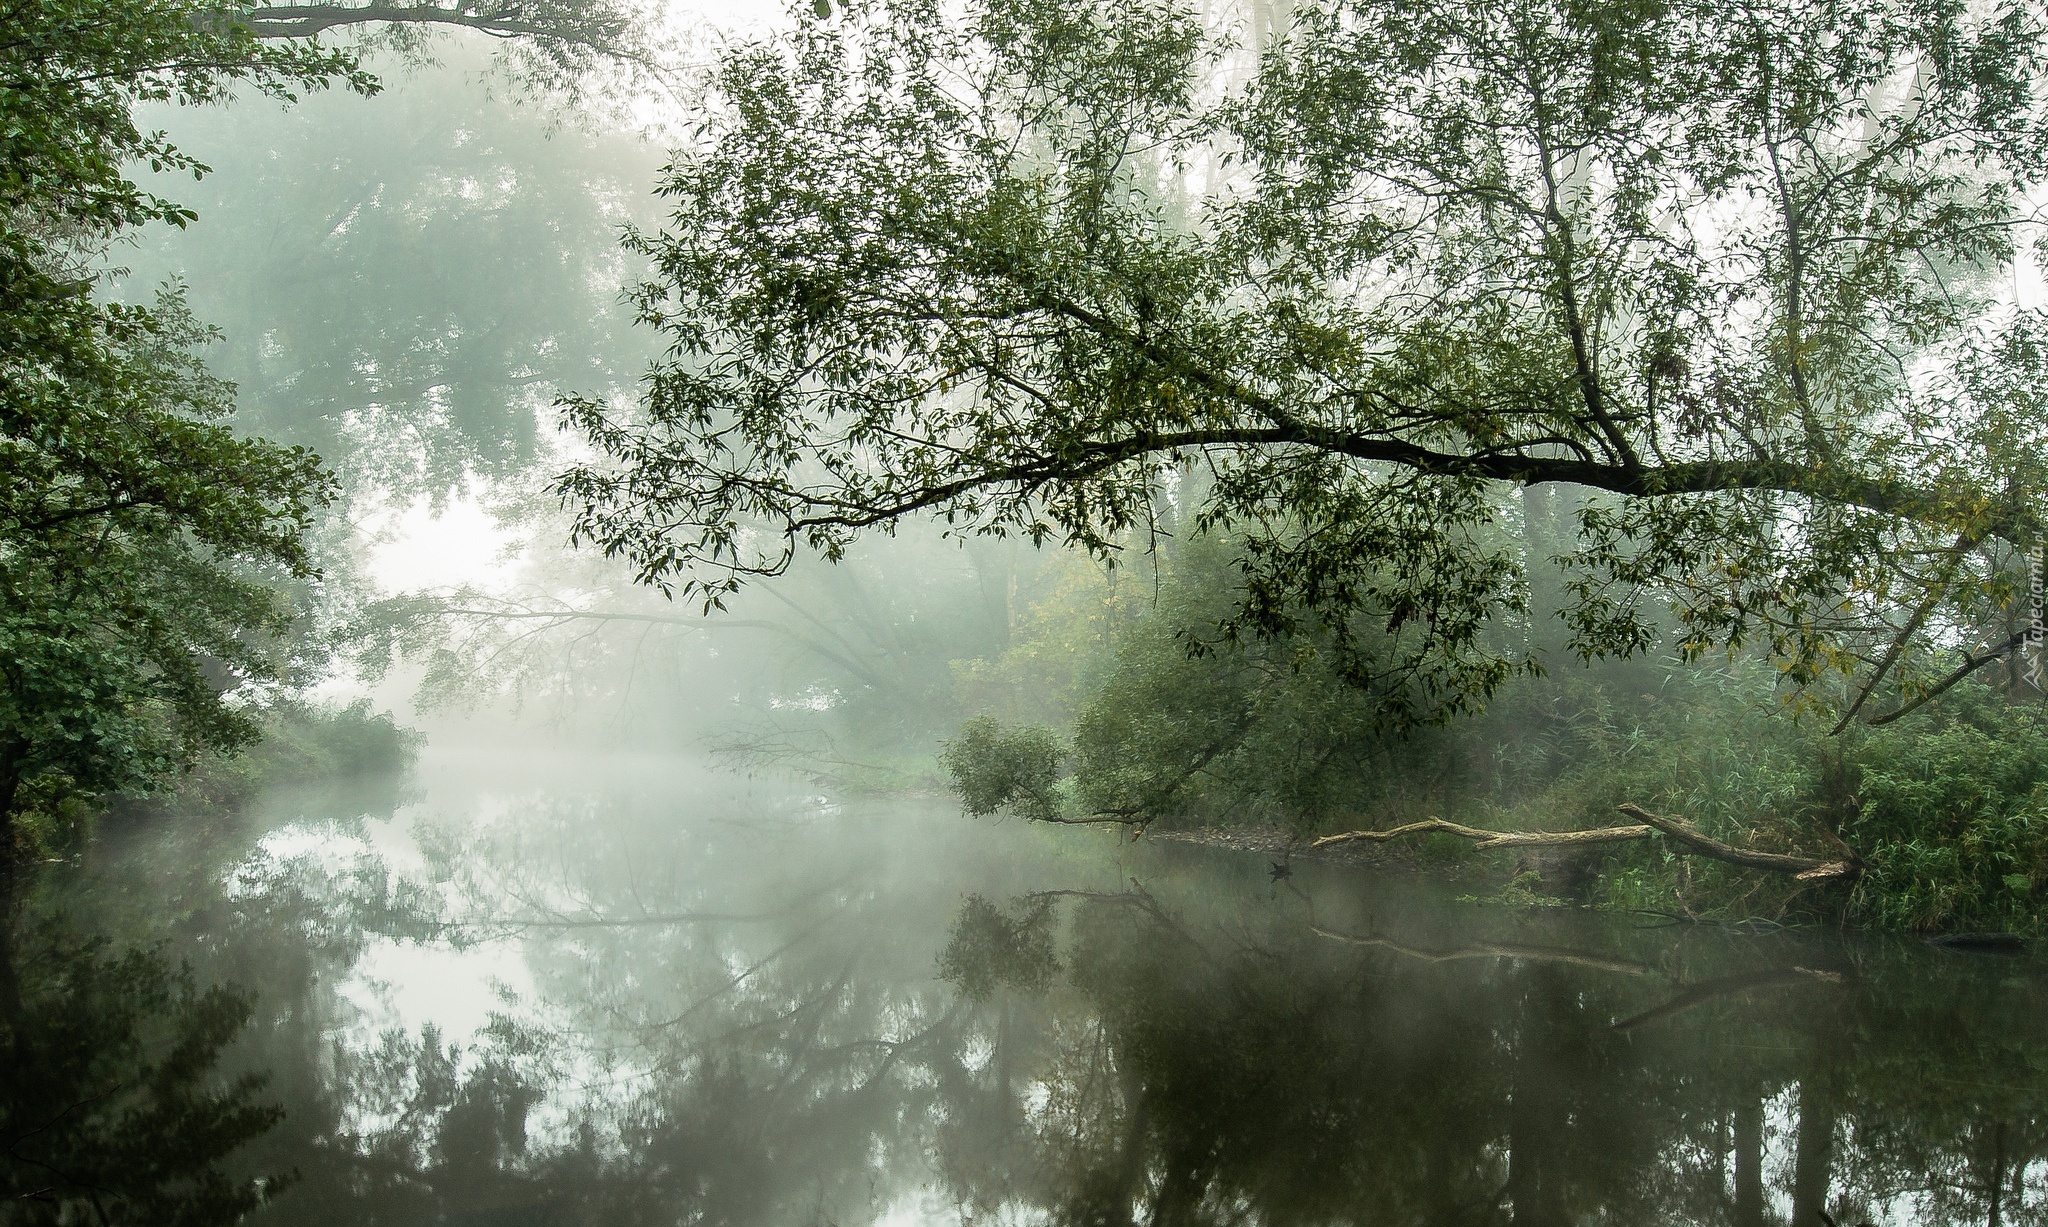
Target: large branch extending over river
[(307, 20), (1623, 472)]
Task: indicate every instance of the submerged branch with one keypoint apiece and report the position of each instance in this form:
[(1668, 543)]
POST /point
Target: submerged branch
[(1493, 950), (1700, 994)]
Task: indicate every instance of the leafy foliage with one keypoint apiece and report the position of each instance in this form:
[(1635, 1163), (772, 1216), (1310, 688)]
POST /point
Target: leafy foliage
[(112, 1110), (995, 768), (434, 270), (1954, 819), (1944, 808), (1028, 268), (584, 56), (989, 949), (139, 536)]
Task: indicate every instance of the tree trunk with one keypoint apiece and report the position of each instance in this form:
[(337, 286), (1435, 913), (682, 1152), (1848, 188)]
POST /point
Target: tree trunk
[(1806, 868), (307, 20)]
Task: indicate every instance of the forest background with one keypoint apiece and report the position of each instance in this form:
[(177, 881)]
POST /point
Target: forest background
[(405, 284)]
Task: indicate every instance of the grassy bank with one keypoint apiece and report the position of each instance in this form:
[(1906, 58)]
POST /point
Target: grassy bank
[(1947, 809)]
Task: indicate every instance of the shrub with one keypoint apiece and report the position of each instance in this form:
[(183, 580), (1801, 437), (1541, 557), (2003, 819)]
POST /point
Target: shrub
[(990, 950), (1953, 820), (995, 768)]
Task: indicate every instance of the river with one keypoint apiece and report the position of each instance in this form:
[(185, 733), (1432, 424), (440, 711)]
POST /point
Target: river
[(514, 991)]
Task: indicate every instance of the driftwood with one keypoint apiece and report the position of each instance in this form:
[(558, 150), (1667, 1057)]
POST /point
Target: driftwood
[(1803, 868), (1489, 839)]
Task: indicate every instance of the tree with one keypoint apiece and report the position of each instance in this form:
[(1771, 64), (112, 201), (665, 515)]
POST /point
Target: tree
[(1731, 274), (138, 534), (375, 268), (568, 48), (114, 1108)]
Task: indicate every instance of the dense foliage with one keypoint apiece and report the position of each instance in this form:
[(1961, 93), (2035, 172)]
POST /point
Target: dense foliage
[(1944, 808), (433, 270), (994, 768), (1032, 268), (113, 1110), (140, 538)]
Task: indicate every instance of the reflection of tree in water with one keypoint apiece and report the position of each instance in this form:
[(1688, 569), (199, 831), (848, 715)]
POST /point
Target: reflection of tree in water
[(723, 1030), (1276, 1080), (685, 1058), (111, 1108)]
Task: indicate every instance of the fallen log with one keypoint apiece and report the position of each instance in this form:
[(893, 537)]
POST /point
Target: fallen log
[(1803, 868), (1489, 839)]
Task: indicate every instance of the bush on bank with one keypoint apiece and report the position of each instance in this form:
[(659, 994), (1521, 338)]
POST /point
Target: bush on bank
[(301, 743), (1947, 808)]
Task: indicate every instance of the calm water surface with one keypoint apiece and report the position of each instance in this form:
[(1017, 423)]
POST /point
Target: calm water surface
[(516, 992)]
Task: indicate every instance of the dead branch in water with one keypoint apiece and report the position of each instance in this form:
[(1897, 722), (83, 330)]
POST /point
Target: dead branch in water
[(1803, 868), (1489, 839)]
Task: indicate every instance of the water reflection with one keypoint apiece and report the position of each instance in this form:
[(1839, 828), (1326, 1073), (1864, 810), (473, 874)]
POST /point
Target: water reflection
[(671, 1000), (111, 1108)]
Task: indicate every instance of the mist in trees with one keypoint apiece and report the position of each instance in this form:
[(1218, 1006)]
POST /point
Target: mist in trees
[(1101, 404), (1354, 611)]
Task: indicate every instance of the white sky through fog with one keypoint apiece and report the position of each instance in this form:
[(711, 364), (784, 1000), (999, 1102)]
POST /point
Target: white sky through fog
[(417, 548)]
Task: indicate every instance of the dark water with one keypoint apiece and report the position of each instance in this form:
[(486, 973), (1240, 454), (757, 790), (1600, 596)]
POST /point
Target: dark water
[(630, 993)]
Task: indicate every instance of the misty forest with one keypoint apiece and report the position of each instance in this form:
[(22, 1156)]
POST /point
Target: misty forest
[(1101, 613)]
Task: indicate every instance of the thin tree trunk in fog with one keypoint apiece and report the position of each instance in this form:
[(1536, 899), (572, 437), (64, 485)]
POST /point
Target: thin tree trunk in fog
[(1813, 1155), (995, 574), (1749, 1165), (1270, 19), (1538, 544)]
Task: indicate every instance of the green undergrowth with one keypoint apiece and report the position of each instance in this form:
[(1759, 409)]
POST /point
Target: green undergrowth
[(1947, 809), (304, 743), (301, 743)]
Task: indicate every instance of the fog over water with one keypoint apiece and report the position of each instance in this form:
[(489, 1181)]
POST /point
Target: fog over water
[(570, 989), (546, 898)]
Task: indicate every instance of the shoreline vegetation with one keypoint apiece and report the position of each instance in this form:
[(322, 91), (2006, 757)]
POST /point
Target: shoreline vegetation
[(300, 743), (1709, 801)]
